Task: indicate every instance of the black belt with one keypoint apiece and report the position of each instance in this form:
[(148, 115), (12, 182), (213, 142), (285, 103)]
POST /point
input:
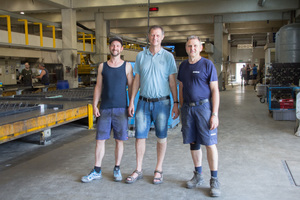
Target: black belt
[(154, 99), (198, 103)]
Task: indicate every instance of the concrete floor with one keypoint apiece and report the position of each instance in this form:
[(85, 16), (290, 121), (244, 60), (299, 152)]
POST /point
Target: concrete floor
[(252, 148)]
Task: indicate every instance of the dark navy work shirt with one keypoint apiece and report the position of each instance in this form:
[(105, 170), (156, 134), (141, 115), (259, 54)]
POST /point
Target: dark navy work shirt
[(196, 79)]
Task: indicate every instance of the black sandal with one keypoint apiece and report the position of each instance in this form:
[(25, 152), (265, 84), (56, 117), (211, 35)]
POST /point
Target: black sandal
[(158, 180)]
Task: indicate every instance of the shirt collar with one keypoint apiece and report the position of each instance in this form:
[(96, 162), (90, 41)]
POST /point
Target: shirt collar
[(160, 51)]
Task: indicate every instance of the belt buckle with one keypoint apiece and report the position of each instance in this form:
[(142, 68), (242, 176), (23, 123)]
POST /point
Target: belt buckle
[(192, 104)]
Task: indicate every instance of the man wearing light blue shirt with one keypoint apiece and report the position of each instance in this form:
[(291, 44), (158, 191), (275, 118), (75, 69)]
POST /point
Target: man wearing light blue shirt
[(155, 71)]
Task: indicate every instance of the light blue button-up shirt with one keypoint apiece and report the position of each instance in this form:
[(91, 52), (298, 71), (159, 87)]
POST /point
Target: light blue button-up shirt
[(154, 72)]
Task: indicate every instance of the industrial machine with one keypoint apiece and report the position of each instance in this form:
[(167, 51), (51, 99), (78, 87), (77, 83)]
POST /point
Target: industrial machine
[(285, 74), (87, 70)]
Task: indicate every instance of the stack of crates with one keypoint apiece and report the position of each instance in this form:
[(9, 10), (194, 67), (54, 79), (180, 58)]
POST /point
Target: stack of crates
[(286, 103), (286, 112)]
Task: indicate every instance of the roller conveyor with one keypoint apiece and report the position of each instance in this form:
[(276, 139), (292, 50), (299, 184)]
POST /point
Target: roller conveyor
[(7, 108), (26, 114), (57, 95)]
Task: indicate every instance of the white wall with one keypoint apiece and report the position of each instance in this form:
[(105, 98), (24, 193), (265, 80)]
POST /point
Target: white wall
[(251, 56), (240, 55), (129, 55)]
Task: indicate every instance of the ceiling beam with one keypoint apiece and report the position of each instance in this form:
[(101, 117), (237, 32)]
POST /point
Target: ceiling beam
[(31, 19), (79, 4), (255, 25), (171, 28), (58, 3), (26, 6), (211, 7), (89, 16), (254, 31)]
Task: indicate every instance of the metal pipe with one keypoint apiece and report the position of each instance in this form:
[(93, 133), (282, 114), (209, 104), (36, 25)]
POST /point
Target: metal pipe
[(92, 41), (8, 27), (83, 39), (53, 35), (41, 33), (90, 116), (26, 29)]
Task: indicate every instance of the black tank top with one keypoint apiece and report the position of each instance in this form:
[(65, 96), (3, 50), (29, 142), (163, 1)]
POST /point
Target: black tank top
[(114, 87), (45, 78)]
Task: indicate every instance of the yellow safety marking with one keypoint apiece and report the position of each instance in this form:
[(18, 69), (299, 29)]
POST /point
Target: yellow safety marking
[(5, 129), (53, 35), (26, 29), (41, 33), (51, 119), (18, 127), (13, 130), (83, 40), (8, 27), (90, 116)]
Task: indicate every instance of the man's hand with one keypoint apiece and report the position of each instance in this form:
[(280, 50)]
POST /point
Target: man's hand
[(214, 122), (175, 111), (131, 110), (96, 112)]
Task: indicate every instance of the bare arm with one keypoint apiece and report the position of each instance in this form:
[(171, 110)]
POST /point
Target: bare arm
[(215, 97), (181, 94), (98, 91), (42, 74), (135, 88), (129, 76), (173, 87)]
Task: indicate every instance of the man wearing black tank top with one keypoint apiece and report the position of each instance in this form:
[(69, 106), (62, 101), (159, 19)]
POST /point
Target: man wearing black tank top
[(113, 76)]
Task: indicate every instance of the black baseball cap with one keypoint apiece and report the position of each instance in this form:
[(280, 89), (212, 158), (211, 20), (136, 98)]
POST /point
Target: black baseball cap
[(115, 38)]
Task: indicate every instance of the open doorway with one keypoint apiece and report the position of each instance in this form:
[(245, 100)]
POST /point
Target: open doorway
[(238, 68)]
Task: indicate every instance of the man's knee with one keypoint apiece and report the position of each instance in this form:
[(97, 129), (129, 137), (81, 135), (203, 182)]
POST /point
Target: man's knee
[(211, 148), (161, 140), (119, 142), (194, 147)]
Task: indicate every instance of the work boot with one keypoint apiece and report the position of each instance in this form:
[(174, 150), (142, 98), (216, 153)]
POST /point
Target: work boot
[(195, 181), (214, 187)]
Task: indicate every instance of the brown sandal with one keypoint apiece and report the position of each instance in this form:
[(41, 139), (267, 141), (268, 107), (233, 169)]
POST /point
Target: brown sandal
[(131, 179), (158, 180)]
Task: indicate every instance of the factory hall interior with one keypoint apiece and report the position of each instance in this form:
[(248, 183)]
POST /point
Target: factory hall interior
[(152, 99)]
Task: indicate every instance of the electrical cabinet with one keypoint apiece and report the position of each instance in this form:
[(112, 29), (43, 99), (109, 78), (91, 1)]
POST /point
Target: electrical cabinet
[(8, 72)]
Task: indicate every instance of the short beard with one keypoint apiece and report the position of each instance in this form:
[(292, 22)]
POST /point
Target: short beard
[(114, 55)]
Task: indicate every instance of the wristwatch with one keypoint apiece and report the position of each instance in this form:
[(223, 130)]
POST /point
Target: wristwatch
[(214, 114)]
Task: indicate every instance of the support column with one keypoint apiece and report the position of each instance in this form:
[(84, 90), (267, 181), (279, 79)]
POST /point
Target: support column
[(218, 50), (226, 63), (101, 38), (69, 45)]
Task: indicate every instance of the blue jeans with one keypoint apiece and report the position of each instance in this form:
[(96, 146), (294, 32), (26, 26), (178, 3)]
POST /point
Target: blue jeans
[(148, 112)]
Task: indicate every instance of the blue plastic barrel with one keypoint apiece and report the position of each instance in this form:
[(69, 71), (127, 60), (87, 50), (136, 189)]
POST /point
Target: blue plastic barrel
[(62, 84)]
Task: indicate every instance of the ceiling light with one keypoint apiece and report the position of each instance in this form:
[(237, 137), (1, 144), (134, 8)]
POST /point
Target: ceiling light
[(22, 13)]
